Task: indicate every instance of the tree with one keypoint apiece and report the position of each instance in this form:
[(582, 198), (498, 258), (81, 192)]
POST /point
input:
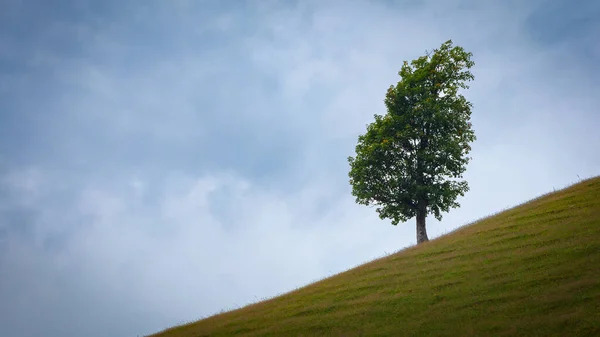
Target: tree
[(410, 161)]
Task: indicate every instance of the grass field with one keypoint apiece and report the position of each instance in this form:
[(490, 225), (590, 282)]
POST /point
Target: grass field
[(533, 270)]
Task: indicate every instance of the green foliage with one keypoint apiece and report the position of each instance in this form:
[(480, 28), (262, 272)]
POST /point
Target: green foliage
[(412, 157)]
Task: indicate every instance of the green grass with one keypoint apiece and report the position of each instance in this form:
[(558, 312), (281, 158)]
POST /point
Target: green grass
[(533, 270)]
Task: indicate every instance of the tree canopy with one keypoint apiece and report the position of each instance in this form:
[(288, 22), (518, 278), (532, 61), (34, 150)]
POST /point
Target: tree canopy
[(411, 160)]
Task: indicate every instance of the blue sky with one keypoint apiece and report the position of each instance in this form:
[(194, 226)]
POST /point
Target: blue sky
[(163, 160)]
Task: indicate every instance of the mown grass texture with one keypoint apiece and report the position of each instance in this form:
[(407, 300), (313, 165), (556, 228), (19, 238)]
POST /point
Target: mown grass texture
[(533, 270)]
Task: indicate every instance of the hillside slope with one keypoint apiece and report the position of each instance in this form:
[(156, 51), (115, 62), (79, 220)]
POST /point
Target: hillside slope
[(532, 270)]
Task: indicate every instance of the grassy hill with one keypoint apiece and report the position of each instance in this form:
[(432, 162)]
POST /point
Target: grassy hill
[(533, 270)]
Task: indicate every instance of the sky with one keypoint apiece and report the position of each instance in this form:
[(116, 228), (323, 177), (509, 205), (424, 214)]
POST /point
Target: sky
[(161, 161)]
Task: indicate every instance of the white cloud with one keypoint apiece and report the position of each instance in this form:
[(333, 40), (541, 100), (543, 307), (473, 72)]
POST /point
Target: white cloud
[(24, 185), (182, 248)]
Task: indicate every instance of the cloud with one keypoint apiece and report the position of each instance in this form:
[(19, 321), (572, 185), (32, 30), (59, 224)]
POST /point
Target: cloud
[(185, 247), (159, 163)]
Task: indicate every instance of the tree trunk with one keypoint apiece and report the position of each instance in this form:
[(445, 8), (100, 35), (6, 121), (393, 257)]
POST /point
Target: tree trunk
[(421, 231)]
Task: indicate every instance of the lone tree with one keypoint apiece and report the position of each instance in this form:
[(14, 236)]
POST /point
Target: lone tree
[(409, 161)]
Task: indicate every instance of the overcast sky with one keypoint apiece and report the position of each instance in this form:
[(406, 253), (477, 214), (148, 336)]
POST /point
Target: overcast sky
[(161, 161)]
